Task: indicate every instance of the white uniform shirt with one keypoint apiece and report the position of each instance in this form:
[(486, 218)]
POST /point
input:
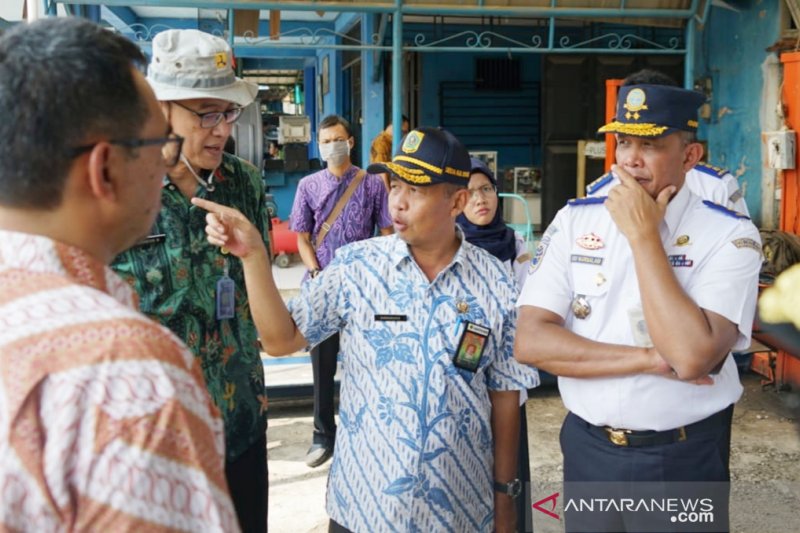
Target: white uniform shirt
[(706, 181), (718, 185), (717, 264), (521, 262)]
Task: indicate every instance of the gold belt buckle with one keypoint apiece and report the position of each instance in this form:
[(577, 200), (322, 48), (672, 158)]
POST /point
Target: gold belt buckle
[(618, 436)]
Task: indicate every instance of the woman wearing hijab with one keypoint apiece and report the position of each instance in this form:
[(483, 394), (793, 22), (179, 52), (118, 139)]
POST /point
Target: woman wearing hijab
[(483, 226)]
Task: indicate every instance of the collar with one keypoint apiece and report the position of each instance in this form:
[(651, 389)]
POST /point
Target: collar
[(42, 255), (400, 252), (677, 207), (349, 173)]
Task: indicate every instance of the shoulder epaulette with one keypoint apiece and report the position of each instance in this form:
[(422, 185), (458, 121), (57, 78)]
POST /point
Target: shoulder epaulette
[(711, 170), (599, 183), (589, 200), (722, 209)]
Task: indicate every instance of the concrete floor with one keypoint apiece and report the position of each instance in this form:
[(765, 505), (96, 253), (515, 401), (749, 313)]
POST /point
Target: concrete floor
[(765, 452)]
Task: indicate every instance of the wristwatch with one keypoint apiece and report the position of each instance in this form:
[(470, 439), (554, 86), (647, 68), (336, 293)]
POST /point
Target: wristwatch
[(314, 273), (513, 488)]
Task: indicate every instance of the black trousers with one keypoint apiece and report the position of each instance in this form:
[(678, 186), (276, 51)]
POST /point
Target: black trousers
[(323, 365), (625, 472), (248, 482)]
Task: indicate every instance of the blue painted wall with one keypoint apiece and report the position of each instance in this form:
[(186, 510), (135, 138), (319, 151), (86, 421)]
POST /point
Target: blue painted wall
[(731, 51)]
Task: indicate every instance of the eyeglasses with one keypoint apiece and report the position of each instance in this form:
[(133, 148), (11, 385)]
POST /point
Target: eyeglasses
[(170, 149), (209, 120), (487, 191)]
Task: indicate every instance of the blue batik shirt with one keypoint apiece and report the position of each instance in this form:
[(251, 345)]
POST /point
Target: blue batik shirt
[(414, 447)]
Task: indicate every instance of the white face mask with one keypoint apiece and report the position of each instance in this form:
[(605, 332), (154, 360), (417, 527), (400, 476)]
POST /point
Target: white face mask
[(335, 153)]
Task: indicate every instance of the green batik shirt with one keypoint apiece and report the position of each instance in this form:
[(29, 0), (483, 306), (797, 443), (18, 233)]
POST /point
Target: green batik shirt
[(176, 278)]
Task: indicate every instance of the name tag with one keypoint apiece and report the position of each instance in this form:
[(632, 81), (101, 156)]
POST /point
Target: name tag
[(391, 318), (586, 259)]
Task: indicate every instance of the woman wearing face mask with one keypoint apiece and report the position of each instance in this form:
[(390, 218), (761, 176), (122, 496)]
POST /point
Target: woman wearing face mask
[(483, 226), (364, 206)]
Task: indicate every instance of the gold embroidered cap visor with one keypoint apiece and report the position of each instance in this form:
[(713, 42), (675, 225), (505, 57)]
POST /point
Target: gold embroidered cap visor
[(654, 111), (428, 156)]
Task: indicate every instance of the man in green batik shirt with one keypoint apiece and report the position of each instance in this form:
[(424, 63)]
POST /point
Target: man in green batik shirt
[(190, 286)]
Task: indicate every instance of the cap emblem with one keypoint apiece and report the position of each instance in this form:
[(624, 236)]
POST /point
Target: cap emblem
[(635, 103), (412, 142)]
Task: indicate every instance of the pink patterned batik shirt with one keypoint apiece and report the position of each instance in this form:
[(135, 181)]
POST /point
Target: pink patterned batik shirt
[(105, 423)]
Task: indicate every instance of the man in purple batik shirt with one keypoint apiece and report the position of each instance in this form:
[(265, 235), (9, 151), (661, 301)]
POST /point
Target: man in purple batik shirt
[(366, 209)]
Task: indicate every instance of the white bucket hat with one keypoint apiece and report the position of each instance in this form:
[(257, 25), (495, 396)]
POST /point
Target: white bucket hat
[(190, 64)]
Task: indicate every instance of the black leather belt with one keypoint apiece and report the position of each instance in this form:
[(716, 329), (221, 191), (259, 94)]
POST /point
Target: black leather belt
[(627, 437)]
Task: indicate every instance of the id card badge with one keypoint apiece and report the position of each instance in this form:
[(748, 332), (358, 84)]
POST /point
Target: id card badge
[(470, 348), (226, 296), (641, 336)]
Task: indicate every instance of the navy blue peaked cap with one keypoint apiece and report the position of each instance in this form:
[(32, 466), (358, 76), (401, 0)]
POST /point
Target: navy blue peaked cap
[(654, 111), (428, 156)]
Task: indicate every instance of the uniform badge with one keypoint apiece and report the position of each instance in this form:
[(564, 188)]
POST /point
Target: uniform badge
[(680, 261), (747, 243), (599, 279), (580, 307), (634, 103), (412, 142), (683, 240), (539, 254), (590, 241), (462, 306)]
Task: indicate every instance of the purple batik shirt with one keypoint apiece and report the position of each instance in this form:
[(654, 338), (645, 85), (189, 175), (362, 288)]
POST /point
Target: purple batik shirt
[(316, 197)]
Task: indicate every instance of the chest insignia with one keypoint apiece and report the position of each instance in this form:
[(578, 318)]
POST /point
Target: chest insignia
[(590, 241), (580, 307), (680, 261)]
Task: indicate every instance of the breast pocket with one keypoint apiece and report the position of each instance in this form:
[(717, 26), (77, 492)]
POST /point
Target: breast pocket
[(590, 284)]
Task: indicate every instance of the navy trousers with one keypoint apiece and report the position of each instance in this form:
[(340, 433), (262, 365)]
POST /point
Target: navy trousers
[(624, 472)]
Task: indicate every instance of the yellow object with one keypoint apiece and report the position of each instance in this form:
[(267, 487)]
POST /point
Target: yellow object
[(781, 302)]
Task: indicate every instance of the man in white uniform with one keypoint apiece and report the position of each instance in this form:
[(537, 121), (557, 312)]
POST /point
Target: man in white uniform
[(635, 300)]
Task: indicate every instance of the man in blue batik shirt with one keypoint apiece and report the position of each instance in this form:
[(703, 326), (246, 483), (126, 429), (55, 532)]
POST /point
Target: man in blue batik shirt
[(427, 440)]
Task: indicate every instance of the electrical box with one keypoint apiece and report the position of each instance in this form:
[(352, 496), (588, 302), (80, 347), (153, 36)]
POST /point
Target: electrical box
[(294, 129), (780, 149)]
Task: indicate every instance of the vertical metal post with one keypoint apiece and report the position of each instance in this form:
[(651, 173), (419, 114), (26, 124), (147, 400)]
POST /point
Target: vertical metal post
[(397, 73), (230, 28), (688, 64), (551, 31)]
